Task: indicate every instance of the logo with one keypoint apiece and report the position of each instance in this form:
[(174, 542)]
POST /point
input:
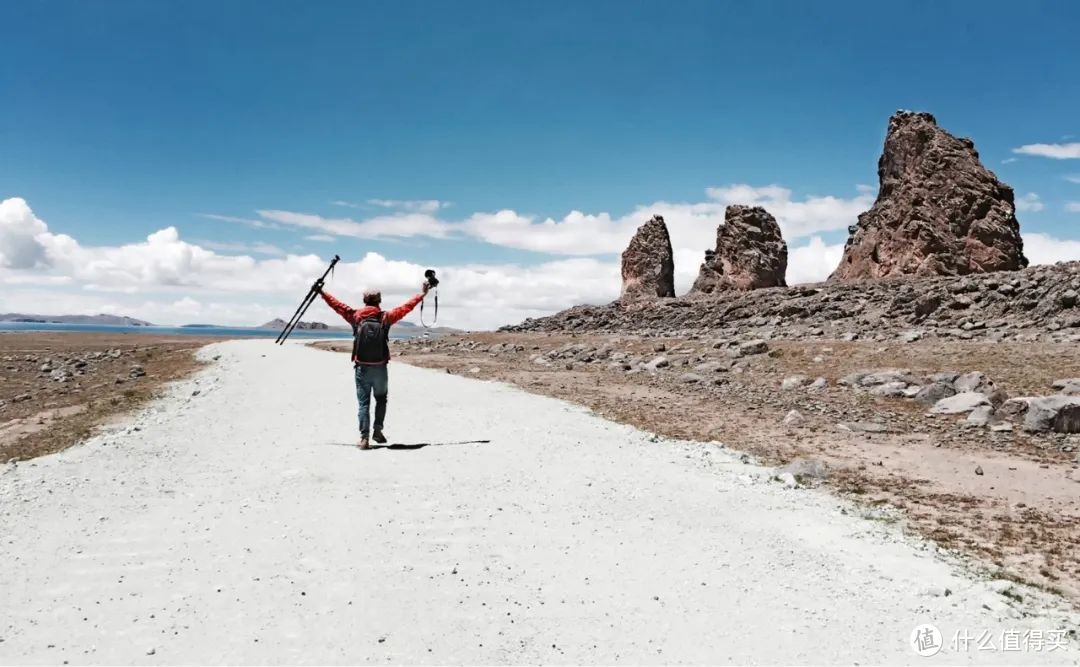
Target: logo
[(925, 640)]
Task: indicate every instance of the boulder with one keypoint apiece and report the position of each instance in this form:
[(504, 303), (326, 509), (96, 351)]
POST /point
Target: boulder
[(1068, 386), (960, 404), (973, 381), (648, 264), (1058, 413), (939, 211), (980, 416), (794, 418), (805, 470), (934, 392), (794, 382), (750, 347), (886, 376), (750, 253)]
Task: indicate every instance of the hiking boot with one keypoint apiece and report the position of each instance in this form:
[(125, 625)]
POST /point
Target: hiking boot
[(364, 444), (378, 437)]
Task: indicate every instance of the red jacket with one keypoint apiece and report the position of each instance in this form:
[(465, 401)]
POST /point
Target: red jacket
[(354, 315)]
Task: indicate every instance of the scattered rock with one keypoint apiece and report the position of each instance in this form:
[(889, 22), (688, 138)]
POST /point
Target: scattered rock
[(959, 404), (1057, 413), (658, 363), (864, 427), (980, 416), (820, 384), (1068, 386), (794, 382), (788, 480), (752, 347), (794, 418), (806, 470), (973, 381)]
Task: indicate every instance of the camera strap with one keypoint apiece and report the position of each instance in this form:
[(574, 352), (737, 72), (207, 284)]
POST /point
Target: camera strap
[(436, 317)]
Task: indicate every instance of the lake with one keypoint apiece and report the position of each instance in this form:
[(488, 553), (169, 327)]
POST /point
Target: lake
[(229, 332)]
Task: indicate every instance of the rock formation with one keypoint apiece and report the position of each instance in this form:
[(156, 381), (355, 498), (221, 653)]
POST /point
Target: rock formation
[(648, 264), (938, 210), (750, 253)]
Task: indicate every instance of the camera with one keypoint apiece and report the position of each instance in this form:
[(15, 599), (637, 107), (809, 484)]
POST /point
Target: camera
[(432, 281)]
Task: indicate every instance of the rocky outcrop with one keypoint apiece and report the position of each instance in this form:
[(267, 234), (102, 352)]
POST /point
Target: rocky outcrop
[(1037, 303), (750, 253), (648, 264), (939, 211)]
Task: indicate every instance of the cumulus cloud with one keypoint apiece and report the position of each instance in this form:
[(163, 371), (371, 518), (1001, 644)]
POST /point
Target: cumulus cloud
[(1072, 178), (322, 238), (168, 280), (1072, 206), (1046, 249), (1030, 203), (23, 237), (1069, 151), (813, 262)]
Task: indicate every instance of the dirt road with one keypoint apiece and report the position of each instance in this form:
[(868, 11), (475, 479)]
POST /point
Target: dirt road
[(238, 525)]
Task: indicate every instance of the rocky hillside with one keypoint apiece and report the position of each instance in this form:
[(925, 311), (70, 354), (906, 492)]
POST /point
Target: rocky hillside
[(1041, 302)]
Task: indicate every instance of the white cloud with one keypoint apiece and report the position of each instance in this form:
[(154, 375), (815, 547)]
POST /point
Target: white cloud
[(1009, 160), (1072, 206), (257, 248), (22, 242), (1030, 203), (403, 225), (691, 225), (813, 262), (1070, 151), (1046, 249), (415, 205), (248, 222), (322, 238), (1072, 178), (167, 280)]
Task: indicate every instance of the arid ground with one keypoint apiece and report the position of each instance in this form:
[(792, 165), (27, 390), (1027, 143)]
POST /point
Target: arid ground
[(56, 387)]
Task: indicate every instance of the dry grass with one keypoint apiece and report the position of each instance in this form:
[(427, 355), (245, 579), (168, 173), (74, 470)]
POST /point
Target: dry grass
[(58, 415)]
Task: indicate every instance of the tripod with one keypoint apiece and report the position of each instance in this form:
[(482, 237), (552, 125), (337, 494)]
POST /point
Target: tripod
[(312, 293)]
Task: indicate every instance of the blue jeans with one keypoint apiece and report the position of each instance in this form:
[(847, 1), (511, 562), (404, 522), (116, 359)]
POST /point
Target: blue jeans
[(371, 380)]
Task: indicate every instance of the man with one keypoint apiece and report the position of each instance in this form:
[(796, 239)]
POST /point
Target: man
[(371, 353)]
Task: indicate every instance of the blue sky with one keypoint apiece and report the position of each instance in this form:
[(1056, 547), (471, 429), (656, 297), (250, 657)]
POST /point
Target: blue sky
[(120, 119)]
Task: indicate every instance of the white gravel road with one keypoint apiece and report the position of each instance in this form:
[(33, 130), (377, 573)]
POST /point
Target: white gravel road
[(240, 526)]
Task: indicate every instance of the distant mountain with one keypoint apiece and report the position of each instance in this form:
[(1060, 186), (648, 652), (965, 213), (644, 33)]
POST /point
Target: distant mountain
[(401, 327), (101, 318), (278, 323)]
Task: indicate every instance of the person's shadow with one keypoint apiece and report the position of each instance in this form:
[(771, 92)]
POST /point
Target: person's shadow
[(399, 446)]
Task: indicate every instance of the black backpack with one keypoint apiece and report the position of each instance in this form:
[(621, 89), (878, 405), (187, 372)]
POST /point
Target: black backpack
[(371, 337)]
